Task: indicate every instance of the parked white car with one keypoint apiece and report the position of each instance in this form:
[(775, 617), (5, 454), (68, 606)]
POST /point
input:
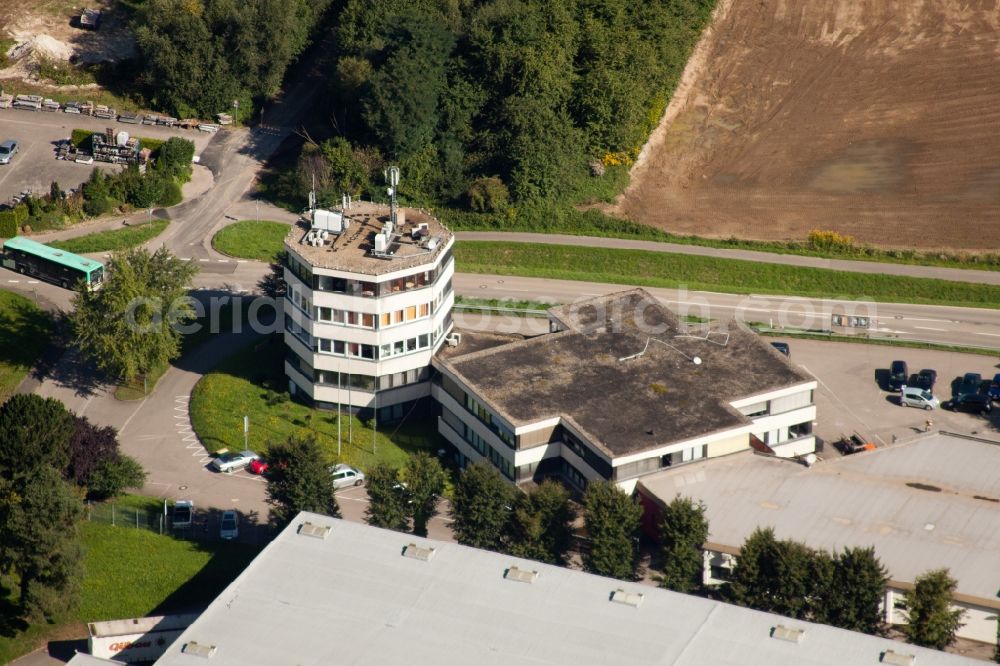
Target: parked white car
[(233, 462), (183, 515), (345, 475)]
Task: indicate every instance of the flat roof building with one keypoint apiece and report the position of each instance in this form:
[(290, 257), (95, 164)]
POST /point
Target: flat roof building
[(327, 591), (621, 388), (925, 504), (368, 303)]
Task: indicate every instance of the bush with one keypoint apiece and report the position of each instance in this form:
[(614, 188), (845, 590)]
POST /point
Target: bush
[(488, 195), (171, 194), (153, 145), (80, 137), (113, 476)]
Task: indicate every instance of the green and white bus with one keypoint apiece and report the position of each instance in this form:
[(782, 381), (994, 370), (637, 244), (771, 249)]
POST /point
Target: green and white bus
[(50, 264)]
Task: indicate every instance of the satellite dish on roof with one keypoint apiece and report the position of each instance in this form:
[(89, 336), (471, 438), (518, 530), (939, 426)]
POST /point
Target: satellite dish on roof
[(696, 360)]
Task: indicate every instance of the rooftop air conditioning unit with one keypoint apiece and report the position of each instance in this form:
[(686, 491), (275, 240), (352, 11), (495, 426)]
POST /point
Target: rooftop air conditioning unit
[(454, 339), (381, 242)]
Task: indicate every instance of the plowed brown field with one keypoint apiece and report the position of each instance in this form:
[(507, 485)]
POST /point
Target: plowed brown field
[(873, 118)]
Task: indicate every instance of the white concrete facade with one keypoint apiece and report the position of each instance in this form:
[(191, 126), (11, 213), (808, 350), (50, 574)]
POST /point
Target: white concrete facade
[(368, 344), (794, 411)]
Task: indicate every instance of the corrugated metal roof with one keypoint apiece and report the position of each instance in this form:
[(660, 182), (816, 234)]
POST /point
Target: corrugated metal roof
[(61, 257), (353, 598), (928, 503)]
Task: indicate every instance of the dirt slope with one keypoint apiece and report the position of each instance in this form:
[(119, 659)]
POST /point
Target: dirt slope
[(877, 119)]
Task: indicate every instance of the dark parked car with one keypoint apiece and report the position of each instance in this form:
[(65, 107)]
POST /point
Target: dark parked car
[(975, 403), (782, 347), (995, 387), (971, 384), (898, 375), (926, 379)]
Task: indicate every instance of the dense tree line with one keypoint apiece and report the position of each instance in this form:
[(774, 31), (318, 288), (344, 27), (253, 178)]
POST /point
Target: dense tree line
[(485, 103), (49, 458), (198, 56)]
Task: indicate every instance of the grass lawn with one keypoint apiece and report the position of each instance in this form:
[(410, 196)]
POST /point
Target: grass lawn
[(115, 239), (24, 332), (131, 573), (252, 239), (657, 269), (252, 382)]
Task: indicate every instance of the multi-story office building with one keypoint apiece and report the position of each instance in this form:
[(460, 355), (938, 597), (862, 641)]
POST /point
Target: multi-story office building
[(620, 389), (368, 303)]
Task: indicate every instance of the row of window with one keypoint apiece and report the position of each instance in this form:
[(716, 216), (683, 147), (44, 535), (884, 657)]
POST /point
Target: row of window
[(487, 451), (356, 381), (363, 351), (787, 403), (364, 288), (484, 415), (364, 319)]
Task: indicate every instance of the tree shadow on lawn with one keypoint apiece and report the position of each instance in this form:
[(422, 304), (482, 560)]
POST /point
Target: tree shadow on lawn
[(229, 559)]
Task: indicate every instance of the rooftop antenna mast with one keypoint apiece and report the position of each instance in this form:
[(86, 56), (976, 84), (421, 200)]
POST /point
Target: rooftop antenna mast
[(392, 178), (312, 195)]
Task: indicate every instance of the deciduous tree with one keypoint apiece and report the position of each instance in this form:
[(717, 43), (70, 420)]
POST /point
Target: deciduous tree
[(90, 446), (481, 507), (38, 520), (931, 621), (113, 476), (424, 479), (541, 528), (387, 499), (857, 589), (126, 326), (612, 521), (298, 479), (683, 531), (34, 432)]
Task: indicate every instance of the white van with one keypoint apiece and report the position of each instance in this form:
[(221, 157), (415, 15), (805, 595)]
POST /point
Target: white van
[(912, 396)]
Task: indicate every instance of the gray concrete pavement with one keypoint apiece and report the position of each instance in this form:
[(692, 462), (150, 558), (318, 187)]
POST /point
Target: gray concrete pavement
[(941, 273), (36, 166)]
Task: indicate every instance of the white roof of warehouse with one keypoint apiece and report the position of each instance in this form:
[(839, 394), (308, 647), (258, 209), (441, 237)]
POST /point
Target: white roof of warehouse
[(927, 503), (353, 598)]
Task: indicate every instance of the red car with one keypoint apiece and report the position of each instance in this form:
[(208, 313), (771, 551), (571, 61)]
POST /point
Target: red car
[(258, 466)]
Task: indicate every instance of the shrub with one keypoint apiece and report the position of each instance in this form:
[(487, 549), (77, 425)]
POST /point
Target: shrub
[(831, 241), (81, 138), (488, 195), (113, 476), (171, 194)]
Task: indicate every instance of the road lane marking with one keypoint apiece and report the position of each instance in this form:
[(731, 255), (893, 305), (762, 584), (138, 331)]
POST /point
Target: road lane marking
[(992, 335), (928, 328)]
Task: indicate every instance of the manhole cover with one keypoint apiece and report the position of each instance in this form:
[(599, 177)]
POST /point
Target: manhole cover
[(182, 487)]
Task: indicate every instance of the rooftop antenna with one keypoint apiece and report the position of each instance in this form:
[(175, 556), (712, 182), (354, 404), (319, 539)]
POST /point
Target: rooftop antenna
[(312, 194), (392, 178)]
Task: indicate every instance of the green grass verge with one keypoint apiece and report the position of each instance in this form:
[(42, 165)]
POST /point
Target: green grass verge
[(503, 306), (252, 382), (131, 573), (24, 332), (115, 239), (595, 223), (662, 269), (139, 387), (252, 239)]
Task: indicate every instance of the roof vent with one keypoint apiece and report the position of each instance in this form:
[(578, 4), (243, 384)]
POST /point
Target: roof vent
[(312, 530), (783, 633), (898, 658), (199, 650), (416, 552), (521, 575), (620, 596)]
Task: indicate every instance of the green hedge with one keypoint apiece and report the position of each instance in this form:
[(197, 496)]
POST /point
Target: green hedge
[(11, 220), (80, 136)]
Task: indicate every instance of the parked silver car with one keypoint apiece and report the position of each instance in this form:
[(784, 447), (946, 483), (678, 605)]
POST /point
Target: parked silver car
[(345, 475), (7, 151), (913, 396), (232, 462), (229, 528)]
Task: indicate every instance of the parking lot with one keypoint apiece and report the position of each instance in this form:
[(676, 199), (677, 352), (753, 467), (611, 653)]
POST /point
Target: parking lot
[(35, 166), (850, 400)]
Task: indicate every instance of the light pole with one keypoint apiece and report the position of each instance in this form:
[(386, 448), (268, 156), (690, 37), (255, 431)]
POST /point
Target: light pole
[(236, 113)]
